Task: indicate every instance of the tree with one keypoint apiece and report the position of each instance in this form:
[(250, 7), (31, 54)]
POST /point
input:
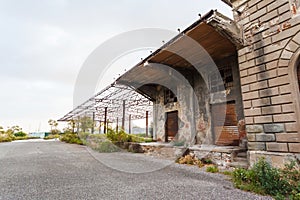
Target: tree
[(86, 123), (70, 127), (16, 129), (1, 130), (72, 124), (53, 126)]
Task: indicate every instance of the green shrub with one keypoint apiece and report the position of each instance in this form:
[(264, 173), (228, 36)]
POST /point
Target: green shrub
[(212, 169), (100, 143), (140, 139), (71, 138), (227, 173), (120, 136), (206, 161), (264, 179), (140, 134), (84, 135), (6, 138), (26, 138), (20, 134), (105, 147), (49, 137)]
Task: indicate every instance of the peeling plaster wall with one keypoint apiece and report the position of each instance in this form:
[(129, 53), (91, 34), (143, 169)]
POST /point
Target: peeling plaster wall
[(193, 112), (185, 115), (193, 106), (202, 114)]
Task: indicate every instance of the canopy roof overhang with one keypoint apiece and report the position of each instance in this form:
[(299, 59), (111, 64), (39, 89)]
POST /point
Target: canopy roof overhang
[(215, 33), (112, 99)]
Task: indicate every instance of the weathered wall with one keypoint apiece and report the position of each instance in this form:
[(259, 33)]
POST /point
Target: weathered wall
[(202, 115), (271, 33), (194, 106), (193, 112)]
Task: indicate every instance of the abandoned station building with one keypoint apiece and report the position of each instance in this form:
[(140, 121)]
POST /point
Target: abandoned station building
[(229, 82)]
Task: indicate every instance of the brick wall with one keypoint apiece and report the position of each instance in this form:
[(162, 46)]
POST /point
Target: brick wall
[(271, 33)]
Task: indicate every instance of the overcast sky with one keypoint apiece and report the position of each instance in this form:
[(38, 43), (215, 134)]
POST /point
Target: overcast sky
[(45, 42)]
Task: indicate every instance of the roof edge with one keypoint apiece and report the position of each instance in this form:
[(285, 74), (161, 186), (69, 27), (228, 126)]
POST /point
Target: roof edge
[(228, 2), (227, 28)]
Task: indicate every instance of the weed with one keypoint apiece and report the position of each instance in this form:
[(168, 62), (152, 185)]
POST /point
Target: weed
[(71, 138), (227, 173), (264, 179), (212, 169)]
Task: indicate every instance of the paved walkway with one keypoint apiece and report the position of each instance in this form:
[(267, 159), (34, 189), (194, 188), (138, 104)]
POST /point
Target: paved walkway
[(55, 170)]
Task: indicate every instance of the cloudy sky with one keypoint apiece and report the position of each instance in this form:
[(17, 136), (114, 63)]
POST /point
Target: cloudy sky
[(45, 42)]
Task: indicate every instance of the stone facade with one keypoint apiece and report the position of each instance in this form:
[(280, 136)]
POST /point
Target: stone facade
[(240, 89), (267, 65), (268, 69)]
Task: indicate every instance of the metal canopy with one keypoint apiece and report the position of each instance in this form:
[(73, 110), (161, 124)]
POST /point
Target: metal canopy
[(216, 33), (113, 97)]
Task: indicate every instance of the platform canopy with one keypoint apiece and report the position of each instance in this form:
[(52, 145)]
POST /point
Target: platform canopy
[(136, 90), (112, 100)]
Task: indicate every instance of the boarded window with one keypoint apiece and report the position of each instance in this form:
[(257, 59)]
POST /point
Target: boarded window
[(169, 97), (225, 126)]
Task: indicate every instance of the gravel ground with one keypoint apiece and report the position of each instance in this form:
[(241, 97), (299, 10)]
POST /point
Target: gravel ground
[(55, 170)]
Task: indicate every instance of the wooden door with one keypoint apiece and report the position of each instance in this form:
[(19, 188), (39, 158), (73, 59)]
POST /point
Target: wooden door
[(225, 130), (171, 126)]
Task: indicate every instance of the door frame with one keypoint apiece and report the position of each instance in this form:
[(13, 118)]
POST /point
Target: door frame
[(166, 124)]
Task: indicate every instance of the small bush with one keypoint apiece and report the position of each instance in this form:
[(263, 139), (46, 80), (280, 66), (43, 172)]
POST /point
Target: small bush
[(140, 139), (227, 173), (206, 161), (20, 134), (100, 143), (120, 136), (49, 137), (71, 138), (6, 138), (264, 179), (26, 138), (190, 160), (83, 136), (106, 147), (212, 169)]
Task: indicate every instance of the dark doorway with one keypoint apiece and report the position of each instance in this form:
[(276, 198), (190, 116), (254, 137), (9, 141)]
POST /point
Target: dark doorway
[(225, 130), (171, 127)]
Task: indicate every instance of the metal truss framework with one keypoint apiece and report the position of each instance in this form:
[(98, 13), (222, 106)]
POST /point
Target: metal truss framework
[(108, 104)]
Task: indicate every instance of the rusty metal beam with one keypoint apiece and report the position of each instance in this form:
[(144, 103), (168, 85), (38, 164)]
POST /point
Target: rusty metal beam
[(105, 119), (147, 128), (123, 118)]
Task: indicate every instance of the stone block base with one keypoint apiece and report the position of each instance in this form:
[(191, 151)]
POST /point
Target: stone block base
[(276, 159)]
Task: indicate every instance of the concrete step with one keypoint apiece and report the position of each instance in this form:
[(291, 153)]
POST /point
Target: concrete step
[(239, 165), (240, 159), (242, 154)]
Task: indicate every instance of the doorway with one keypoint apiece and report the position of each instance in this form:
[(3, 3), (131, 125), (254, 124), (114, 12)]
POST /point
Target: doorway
[(171, 127)]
